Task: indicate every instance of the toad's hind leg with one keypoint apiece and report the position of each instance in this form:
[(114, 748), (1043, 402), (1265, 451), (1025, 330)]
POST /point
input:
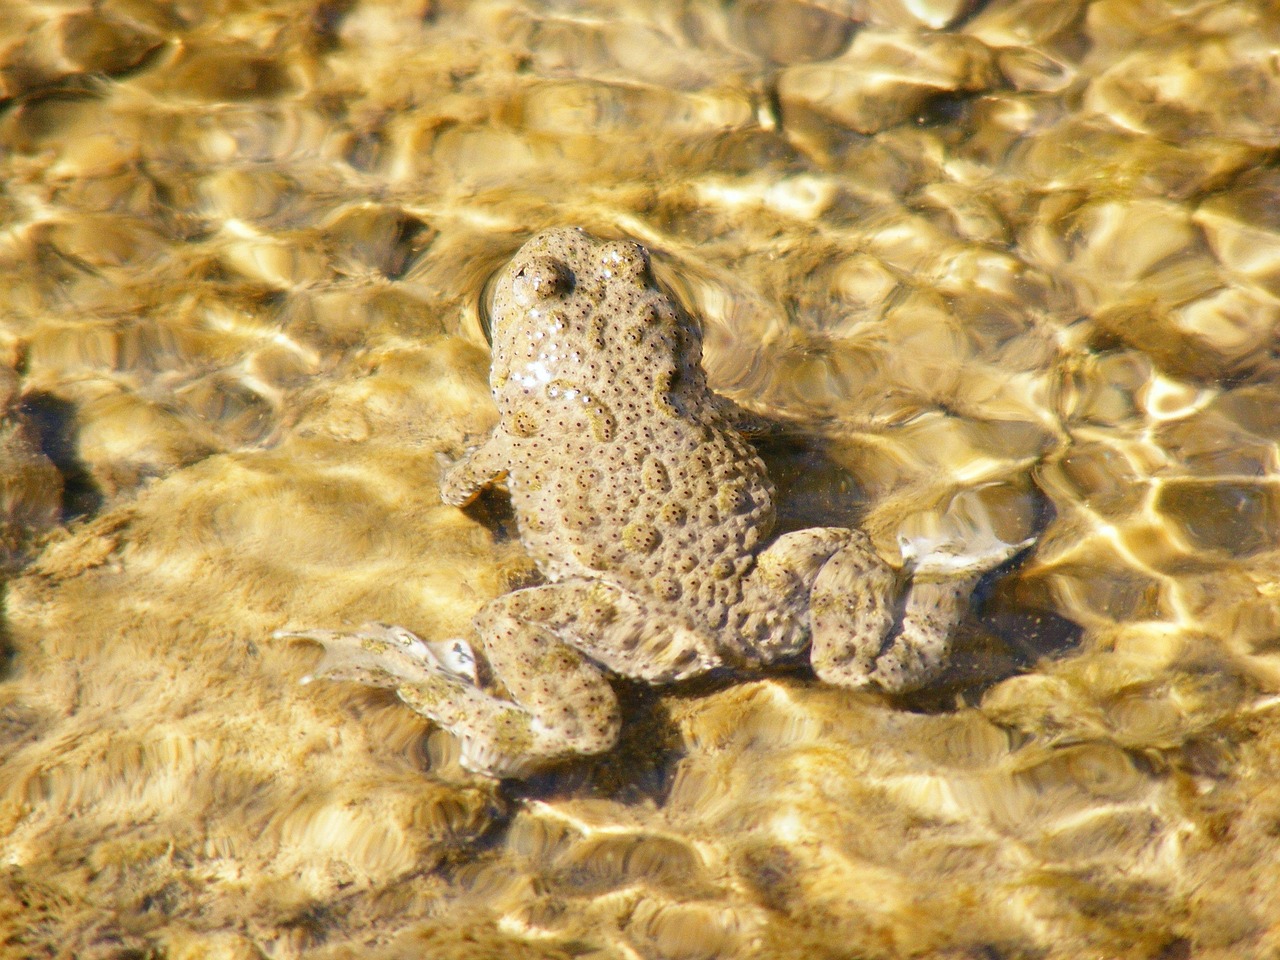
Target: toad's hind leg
[(853, 607), (563, 705), (547, 645), (560, 705), (777, 616), (857, 601)]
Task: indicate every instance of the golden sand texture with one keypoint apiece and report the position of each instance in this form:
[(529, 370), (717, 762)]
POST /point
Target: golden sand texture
[(1008, 263)]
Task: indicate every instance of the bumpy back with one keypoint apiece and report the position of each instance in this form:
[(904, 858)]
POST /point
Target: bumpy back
[(623, 466)]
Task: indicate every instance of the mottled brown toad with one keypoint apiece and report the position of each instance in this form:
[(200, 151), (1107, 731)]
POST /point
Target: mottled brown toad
[(650, 518)]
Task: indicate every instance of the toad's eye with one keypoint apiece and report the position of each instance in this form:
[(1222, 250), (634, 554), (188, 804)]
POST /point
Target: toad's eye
[(625, 260), (541, 277)]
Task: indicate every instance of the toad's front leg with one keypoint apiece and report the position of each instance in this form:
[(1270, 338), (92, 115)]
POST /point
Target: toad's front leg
[(481, 466)]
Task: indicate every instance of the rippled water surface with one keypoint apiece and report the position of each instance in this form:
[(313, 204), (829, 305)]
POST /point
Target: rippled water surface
[(1017, 262)]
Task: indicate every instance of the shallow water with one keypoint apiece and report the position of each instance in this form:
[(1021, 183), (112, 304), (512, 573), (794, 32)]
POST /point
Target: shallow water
[(1013, 265)]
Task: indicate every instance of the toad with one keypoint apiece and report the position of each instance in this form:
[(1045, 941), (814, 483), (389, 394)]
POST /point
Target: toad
[(651, 519)]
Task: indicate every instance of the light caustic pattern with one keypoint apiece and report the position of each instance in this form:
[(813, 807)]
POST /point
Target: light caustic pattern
[(1012, 265)]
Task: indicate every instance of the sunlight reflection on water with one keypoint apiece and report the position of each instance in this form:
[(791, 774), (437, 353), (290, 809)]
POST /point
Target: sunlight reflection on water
[(1010, 265)]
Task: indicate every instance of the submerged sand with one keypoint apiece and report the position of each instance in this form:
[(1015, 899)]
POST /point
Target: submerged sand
[(1011, 261)]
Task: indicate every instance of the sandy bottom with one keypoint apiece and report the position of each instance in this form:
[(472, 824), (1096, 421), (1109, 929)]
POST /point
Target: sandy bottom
[(1017, 261)]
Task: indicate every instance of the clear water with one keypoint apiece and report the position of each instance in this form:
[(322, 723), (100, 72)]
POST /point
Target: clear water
[(1022, 257)]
